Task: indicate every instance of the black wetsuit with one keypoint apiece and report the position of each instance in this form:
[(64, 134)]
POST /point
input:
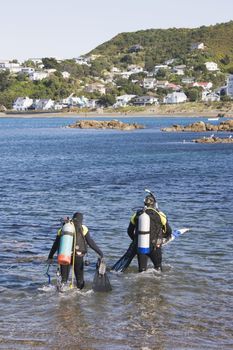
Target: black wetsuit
[(157, 232), (78, 262)]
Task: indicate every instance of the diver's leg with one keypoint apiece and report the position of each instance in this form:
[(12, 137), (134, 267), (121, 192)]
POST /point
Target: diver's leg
[(65, 270), (142, 262), (156, 257), (79, 271)]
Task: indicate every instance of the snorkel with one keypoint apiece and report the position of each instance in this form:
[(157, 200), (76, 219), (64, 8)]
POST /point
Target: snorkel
[(153, 196)]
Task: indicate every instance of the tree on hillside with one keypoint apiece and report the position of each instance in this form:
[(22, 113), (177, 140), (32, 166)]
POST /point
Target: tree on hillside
[(193, 94), (6, 80), (50, 63), (128, 59), (107, 100)]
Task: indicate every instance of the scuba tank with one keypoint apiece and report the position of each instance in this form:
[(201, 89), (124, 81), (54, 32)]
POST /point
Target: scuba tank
[(144, 233), (66, 243)]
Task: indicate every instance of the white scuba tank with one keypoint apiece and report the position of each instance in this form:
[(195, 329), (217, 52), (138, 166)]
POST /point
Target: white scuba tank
[(144, 233)]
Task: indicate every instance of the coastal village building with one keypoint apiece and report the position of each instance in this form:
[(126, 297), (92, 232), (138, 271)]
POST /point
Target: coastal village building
[(37, 75), (162, 84), (27, 70), (145, 100), (72, 101), (65, 75), (135, 69), (175, 97), (173, 87), (179, 70), (210, 96), (229, 87), (43, 104), (12, 67), (197, 46), (160, 66), (187, 80), (211, 66), (122, 101), (96, 88), (149, 83), (82, 61), (22, 103), (204, 85), (135, 48)]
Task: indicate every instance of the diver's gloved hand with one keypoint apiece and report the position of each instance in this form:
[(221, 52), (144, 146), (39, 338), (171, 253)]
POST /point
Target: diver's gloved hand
[(101, 266), (159, 242)]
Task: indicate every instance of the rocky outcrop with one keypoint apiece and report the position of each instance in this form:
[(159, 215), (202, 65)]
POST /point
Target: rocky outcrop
[(214, 140), (100, 124), (202, 127)]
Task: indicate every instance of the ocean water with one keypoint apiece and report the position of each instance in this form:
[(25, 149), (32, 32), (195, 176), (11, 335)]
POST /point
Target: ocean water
[(49, 171)]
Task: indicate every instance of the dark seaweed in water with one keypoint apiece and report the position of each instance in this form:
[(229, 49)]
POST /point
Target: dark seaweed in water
[(48, 172)]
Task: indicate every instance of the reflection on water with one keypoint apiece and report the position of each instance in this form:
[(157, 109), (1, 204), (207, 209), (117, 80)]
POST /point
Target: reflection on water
[(49, 172)]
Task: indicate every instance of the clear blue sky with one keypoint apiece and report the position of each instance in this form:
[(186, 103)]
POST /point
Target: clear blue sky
[(70, 28)]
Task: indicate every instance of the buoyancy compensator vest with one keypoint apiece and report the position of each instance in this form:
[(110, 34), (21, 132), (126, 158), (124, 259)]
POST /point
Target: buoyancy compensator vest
[(66, 243), (80, 241)]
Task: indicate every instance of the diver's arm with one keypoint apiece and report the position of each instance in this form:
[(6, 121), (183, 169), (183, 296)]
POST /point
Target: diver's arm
[(54, 247), (93, 245), (130, 230), (168, 232)]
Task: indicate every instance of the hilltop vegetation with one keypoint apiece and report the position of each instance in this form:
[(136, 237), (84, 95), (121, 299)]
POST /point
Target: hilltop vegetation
[(144, 49), (159, 45)]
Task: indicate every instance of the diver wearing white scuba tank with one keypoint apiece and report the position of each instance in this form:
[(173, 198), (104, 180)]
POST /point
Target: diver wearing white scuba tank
[(147, 228)]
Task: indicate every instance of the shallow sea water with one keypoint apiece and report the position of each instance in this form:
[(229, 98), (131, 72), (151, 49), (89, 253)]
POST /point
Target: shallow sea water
[(49, 171)]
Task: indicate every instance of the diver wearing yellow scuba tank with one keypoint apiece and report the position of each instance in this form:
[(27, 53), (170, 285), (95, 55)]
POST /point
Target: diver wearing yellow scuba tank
[(158, 229), (81, 240)]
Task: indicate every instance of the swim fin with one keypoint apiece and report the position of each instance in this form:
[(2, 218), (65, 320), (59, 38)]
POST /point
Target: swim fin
[(101, 281), (122, 264)]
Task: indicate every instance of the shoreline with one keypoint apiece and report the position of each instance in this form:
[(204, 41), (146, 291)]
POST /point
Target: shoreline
[(132, 114)]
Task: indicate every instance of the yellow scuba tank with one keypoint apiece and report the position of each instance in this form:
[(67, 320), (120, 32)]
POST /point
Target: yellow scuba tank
[(66, 243)]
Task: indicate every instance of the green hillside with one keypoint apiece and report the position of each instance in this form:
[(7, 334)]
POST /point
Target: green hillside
[(158, 45)]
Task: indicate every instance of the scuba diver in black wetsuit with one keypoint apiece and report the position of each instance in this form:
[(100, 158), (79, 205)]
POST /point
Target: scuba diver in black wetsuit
[(82, 239), (157, 229)]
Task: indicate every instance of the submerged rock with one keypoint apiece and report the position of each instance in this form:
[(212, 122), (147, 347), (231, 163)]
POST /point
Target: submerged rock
[(214, 139), (201, 127), (100, 124)]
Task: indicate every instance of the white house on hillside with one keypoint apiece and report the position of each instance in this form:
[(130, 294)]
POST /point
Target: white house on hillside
[(122, 101), (229, 88), (197, 46), (145, 100), (44, 104), (160, 66), (149, 83), (27, 70), (208, 96), (187, 80), (22, 103), (37, 75), (203, 84), (179, 70), (175, 97), (135, 69), (211, 66), (65, 75), (12, 67), (95, 87)]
